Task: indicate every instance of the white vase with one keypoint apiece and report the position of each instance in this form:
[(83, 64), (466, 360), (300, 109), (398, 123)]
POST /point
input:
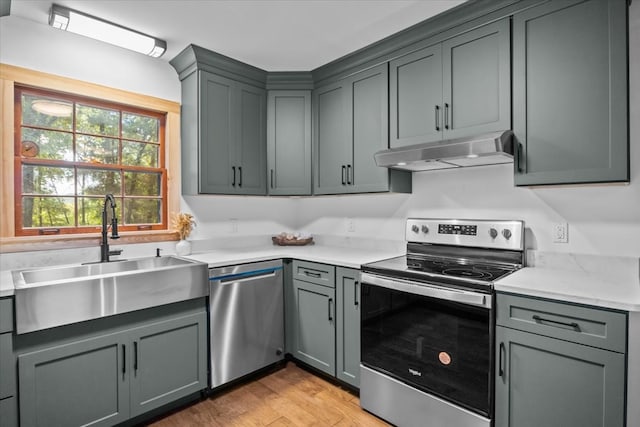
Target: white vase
[(183, 247)]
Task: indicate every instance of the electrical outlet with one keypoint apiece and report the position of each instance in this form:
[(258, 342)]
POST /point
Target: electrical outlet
[(351, 225), (561, 232), (233, 225)]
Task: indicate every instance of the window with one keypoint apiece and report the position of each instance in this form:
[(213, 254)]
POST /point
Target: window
[(71, 151)]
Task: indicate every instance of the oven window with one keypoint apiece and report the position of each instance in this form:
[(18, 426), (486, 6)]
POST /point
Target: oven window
[(437, 346)]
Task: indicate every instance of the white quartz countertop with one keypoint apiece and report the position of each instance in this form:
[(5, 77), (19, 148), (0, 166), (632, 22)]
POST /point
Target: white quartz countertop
[(609, 282), (340, 256)]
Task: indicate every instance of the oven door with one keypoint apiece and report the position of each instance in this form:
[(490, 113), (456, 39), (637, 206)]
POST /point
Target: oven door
[(433, 338)]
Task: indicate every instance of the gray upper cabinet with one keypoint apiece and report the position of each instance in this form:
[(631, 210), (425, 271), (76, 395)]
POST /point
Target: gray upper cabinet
[(350, 126), (456, 88), (289, 142), (223, 124), (570, 92), (232, 137)]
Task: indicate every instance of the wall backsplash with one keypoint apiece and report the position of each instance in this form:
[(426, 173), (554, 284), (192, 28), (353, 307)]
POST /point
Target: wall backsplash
[(603, 220)]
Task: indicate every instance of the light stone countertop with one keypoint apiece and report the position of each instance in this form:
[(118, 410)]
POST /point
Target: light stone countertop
[(335, 255), (602, 281)]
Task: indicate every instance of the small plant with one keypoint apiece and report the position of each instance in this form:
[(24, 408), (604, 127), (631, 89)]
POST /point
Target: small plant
[(183, 224)]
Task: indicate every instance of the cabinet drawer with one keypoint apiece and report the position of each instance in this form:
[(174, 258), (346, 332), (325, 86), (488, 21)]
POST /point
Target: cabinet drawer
[(590, 326), (6, 315), (312, 272)]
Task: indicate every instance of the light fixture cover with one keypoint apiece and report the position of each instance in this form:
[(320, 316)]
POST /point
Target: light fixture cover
[(90, 26)]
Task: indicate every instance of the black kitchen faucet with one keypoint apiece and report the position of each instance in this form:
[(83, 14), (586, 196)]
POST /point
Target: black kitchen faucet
[(104, 244)]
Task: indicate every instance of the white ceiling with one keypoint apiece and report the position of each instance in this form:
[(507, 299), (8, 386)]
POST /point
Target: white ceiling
[(275, 35)]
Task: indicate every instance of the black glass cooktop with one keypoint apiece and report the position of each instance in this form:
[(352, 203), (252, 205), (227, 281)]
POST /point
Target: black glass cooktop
[(450, 271)]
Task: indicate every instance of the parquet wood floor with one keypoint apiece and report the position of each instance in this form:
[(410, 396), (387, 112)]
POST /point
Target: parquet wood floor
[(288, 397)]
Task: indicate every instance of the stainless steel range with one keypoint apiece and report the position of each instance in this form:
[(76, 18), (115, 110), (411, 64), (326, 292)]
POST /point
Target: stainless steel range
[(427, 333)]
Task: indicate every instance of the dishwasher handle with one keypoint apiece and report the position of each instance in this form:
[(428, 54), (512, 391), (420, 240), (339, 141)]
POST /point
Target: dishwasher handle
[(247, 275)]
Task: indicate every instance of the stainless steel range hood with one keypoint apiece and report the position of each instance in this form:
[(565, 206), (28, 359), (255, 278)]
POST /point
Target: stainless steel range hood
[(488, 149)]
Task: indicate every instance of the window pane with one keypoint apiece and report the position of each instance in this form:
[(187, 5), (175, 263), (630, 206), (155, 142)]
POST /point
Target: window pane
[(97, 121), (142, 184), (94, 149), (142, 211), (139, 154), (54, 113), (47, 212), (47, 180), (90, 211), (49, 144), (99, 182), (141, 128)]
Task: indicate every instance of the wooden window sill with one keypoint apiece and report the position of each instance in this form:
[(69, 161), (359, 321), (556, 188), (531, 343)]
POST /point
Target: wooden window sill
[(70, 241)]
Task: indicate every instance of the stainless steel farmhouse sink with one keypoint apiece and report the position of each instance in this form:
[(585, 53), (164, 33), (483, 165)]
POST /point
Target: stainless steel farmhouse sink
[(54, 296)]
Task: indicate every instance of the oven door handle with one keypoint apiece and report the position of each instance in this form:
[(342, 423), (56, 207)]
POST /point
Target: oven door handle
[(430, 290)]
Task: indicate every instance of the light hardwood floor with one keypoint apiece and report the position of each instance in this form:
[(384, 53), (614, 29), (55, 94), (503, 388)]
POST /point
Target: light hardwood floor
[(288, 397)]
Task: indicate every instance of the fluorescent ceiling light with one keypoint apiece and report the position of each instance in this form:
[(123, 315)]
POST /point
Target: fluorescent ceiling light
[(99, 29)]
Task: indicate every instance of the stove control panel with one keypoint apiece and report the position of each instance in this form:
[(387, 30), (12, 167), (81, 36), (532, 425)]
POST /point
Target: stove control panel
[(499, 234)]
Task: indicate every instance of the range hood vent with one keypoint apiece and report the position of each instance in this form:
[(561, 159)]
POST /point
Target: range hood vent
[(488, 149)]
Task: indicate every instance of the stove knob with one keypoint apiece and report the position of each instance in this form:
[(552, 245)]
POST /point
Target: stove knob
[(415, 228), (493, 233), (506, 233), (425, 229)]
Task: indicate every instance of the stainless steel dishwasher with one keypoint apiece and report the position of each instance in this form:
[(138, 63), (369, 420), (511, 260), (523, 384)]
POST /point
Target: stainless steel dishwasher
[(247, 319)]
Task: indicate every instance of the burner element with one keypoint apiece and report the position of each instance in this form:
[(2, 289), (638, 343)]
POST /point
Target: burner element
[(467, 273)]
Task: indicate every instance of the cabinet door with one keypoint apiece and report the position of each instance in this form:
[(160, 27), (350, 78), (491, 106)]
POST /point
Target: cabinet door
[(251, 142), (570, 92), (477, 81), (315, 332), (370, 109), (415, 97), (333, 149), (168, 361), (218, 127), (348, 325), (85, 382), (547, 382), (289, 142)]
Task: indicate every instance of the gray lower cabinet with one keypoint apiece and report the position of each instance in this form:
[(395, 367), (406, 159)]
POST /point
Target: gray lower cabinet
[(223, 136), (289, 142), (8, 395), (350, 125), (456, 88), (169, 362), (570, 92), (558, 365), (348, 325), (108, 378), (314, 325)]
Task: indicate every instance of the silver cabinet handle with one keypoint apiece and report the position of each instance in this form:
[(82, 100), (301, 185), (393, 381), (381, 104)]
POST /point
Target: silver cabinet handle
[(233, 183), (240, 172), (271, 178), (437, 118), (330, 316), (500, 368), (344, 172), (349, 175)]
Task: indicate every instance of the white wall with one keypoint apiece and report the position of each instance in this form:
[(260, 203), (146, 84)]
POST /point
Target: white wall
[(602, 219)]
